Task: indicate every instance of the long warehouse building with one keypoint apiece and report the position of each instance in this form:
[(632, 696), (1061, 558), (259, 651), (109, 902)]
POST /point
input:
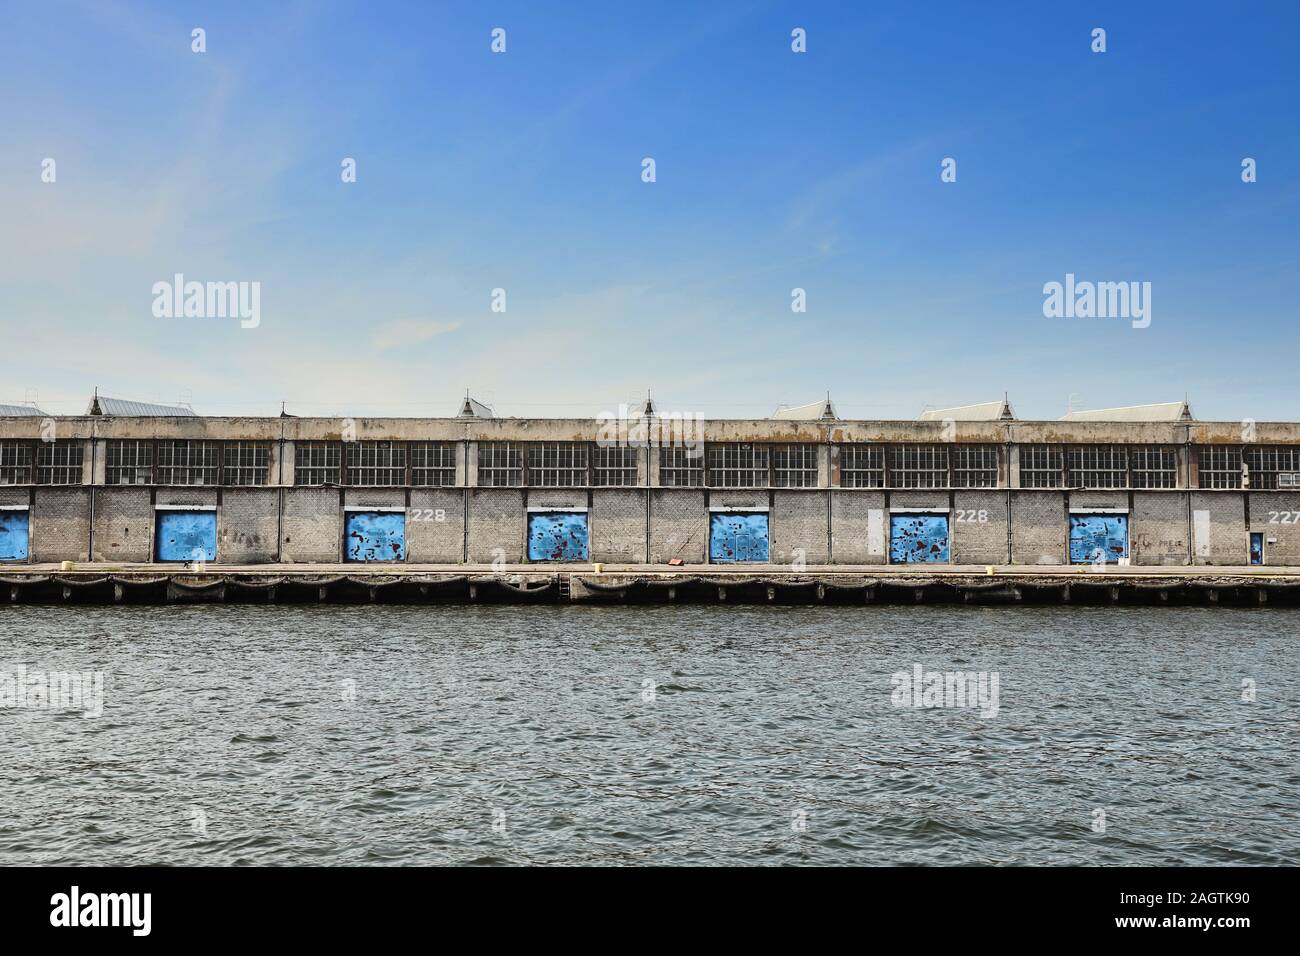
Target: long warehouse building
[(129, 482)]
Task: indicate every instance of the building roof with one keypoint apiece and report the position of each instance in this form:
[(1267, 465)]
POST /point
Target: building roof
[(472, 409), (1165, 412), (999, 411), (14, 411), (817, 411), (103, 405)]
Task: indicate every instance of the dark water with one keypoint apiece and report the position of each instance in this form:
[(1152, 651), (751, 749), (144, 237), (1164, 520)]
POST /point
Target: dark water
[(655, 735)]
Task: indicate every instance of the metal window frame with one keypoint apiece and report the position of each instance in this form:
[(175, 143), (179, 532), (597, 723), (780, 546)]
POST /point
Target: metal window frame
[(974, 465), (432, 463), (1052, 466), (738, 465), (504, 459), (851, 466), (1095, 466), (1223, 465), (113, 471), (618, 462), (557, 464), (1153, 466), (48, 470), (908, 463), (241, 459), (678, 468), (10, 471), (794, 465), (187, 461), (375, 463), (318, 451)]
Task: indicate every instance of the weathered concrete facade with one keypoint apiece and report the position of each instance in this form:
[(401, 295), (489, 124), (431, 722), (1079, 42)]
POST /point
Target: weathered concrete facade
[(484, 506)]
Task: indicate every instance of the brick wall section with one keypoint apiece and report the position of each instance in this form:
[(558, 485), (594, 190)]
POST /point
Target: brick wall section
[(123, 524), (247, 525), (1038, 527), (313, 525), (798, 520), (679, 526), (60, 524), (435, 526), (1158, 531), (979, 527), (1277, 515), (850, 513), (1227, 544), (496, 522), (618, 525)]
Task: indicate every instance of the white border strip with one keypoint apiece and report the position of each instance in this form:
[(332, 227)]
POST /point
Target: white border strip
[(558, 509), (386, 509), (212, 508), (1097, 511)]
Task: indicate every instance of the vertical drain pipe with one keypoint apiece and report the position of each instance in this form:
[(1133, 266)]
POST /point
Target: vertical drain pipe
[(279, 492), (94, 449)]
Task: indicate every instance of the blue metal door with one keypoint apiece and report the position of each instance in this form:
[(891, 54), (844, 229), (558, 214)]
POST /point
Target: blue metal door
[(14, 535), (1256, 547), (558, 536), (186, 536), (735, 536), (1098, 539), (376, 535), (918, 538)]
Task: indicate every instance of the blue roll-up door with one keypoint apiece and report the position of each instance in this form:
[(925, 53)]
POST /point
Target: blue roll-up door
[(918, 538), (376, 535), (187, 536), (737, 536), (1098, 539), (14, 535), (558, 536)]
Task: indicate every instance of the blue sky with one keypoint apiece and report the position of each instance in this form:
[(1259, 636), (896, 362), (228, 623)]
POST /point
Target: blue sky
[(775, 171)]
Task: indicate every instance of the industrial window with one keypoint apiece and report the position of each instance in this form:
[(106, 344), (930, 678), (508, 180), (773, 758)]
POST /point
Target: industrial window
[(433, 463), (316, 463), (1098, 466), (681, 467), (1154, 466), (15, 462), (187, 462), (245, 463), (557, 464), (59, 463), (1040, 466), (862, 466), (129, 462), (975, 466), (1266, 464), (1219, 466), (737, 465), (614, 466), (918, 466), (373, 463), (794, 466), (499, 464)]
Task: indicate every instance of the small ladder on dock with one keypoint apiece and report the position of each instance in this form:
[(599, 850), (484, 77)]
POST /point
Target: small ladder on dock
[(564, 588)]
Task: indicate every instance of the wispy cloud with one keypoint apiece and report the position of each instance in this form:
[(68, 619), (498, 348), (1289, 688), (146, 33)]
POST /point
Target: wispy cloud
[(404, 332)]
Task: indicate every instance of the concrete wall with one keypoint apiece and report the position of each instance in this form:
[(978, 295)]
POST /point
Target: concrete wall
[(124, 524), (1219, 527), (1277, 515), (979, 527), (60, 525), (435, 526), (618, 525), (854, 540), (497, 525), (798, 526), (248, 522), (1158, 528), (312, 526), (1039, 528), (679, 525)]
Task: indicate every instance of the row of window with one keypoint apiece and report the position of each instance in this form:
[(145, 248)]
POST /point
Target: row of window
[(580, 464)]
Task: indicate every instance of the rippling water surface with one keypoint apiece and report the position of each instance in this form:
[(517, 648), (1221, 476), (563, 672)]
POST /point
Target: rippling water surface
[(671, 735)]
